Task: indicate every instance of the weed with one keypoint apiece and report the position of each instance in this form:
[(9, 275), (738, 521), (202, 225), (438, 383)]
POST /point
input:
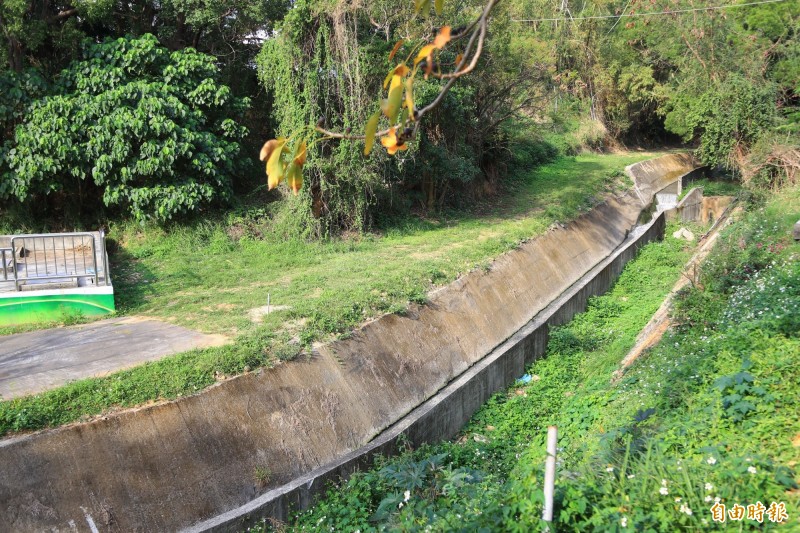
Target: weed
[(262, 474)]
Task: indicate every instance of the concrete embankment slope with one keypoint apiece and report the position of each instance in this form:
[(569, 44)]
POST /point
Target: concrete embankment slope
[(169, 466)]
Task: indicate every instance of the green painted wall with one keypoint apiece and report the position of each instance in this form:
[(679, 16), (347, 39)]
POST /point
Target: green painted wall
[(32, 308)]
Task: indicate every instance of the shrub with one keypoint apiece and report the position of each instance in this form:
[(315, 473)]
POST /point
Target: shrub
[(134, 126)]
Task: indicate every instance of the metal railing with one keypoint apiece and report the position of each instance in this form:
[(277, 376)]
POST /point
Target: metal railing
[(53, 257), (7, 258)]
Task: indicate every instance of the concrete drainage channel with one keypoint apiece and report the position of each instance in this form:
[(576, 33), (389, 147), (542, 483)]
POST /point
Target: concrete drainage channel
[(190, 463), (442, 416)]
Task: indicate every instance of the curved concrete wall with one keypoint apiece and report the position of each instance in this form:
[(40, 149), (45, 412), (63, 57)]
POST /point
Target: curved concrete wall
[(653, 175), (171, 465)]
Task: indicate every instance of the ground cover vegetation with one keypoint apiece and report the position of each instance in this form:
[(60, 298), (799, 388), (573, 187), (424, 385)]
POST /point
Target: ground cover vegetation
[(705, 418)]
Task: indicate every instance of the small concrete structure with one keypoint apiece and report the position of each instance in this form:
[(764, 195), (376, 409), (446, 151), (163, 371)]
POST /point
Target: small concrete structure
[(40, 360), (689, 208), (46, 276)]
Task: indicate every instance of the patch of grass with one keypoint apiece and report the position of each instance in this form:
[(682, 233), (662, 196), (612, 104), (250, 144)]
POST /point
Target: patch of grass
[(707, 416), (198, 276), (713, 187)]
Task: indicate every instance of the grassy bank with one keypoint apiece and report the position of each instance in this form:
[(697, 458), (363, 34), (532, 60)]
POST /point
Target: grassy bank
[(201, 278), (210, 276), (708, 416)]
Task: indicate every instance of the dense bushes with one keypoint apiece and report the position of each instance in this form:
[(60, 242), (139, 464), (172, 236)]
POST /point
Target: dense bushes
[(147, 131)]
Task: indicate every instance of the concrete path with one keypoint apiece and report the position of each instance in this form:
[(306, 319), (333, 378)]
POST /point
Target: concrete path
[(41, 360)]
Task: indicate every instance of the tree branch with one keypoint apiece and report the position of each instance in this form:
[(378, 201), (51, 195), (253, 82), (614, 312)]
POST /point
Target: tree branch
[(478, 28), (67, 13)]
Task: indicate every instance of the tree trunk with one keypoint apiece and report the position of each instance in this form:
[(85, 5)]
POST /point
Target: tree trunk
[(15, 50)]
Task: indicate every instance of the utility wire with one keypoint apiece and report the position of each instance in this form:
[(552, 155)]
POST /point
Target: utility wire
[(671, 12)]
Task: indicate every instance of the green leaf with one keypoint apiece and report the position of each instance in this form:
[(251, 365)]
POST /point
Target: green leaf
[(395, 99)]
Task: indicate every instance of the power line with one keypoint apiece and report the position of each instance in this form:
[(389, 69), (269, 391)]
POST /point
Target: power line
[(671, 12)]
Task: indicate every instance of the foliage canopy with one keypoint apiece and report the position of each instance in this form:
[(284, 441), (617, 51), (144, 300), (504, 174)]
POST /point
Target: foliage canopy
[(152, 132)]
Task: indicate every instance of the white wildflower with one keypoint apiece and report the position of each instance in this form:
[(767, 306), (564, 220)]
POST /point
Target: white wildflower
[(664, 491), (610, 469), (751, 469), (624, 521), (406, 495), (711, 460), (709, 486)]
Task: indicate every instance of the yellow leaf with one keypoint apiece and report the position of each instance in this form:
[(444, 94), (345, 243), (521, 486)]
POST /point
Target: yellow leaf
[(388, 78), (294, 177), (401, 70), (391, 144), (397, 46), (410, 97), (275, 165), (443, 38), (300, 153), (369, 134), (459, 57), (395, 99), (424, 52), (438, 5), (267, 149)]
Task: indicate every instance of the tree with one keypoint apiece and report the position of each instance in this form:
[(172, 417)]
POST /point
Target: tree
[(327, 65), (146, 130)]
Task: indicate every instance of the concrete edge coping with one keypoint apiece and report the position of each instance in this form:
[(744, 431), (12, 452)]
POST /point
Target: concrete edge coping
[(302, 488), (686, 197)]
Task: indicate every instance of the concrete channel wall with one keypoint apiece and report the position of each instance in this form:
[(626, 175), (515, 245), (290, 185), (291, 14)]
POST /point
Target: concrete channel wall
[(442, 416), (168, 466), (689, 208)]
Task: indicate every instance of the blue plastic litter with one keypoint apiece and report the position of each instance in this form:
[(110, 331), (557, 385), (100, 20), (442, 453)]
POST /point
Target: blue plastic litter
[(525, 379)]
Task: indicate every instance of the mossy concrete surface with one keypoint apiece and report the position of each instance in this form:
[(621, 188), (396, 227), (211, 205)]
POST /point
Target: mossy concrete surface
[(168, 466)]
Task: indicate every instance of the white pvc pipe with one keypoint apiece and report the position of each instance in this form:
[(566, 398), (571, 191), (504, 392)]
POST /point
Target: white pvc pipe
[(550, 474)]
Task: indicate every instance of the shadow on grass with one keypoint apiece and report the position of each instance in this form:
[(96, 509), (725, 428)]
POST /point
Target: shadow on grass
[(132, 281)]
